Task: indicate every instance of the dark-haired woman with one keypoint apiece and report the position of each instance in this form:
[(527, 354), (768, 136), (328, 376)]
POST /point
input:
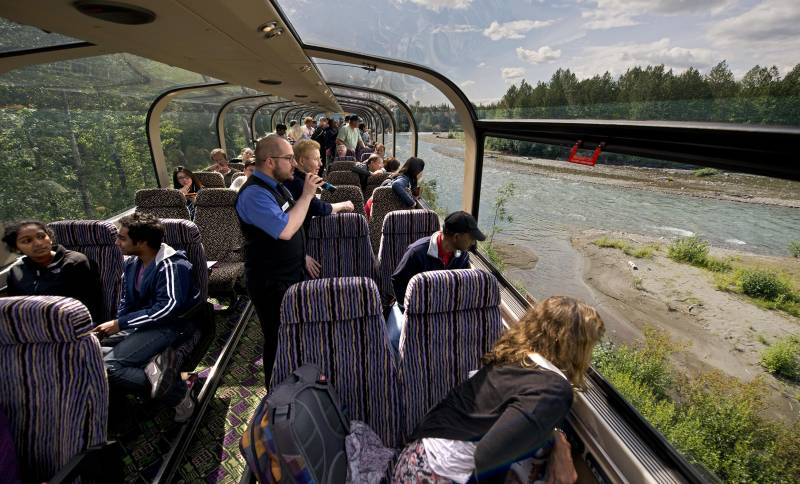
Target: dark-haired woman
[(48, 269), (404, 183), (187, 183)]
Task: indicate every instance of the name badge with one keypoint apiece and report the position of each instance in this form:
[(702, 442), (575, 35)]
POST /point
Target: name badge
[(285, 206)]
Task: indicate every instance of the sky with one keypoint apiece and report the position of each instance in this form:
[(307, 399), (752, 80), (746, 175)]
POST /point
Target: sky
[(484, 46)]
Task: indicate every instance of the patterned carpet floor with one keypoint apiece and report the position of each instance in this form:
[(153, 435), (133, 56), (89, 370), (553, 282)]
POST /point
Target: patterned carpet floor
[(213, 454)]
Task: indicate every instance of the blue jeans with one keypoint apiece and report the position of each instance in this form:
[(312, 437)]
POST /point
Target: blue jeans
[(394, 326), (125, 362)]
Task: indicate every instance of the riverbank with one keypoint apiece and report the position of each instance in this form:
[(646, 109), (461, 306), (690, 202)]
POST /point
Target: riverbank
[(721, 186), (720, 330)]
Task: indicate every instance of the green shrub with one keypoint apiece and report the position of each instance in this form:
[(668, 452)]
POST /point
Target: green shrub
[(717, 265), (794, 248), (763, 284), (703, 172), (691, 250), (638, 251), (783, 358)]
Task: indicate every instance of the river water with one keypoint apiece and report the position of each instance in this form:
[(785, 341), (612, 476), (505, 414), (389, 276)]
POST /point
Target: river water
[(546, 211)]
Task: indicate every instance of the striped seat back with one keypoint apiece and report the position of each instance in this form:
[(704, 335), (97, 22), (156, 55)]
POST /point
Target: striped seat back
[(452, 320), (384, 200), (345, 193), (210, 179), (341, 166), (401, 228), (96, 239), (339, 178), (337, 324), (53, 386), (340, 243), (162, 203)]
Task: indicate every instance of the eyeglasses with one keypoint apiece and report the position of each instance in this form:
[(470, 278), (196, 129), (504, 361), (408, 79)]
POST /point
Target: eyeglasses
[(284, 157)]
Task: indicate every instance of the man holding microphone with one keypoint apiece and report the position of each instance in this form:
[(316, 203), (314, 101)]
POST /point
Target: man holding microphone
[(272, 225)]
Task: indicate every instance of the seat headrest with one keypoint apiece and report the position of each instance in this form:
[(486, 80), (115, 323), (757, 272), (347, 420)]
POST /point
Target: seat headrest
[(331, 299), (216, 197), (73, 233), (410, 222), (42, 319), (453, 290), (338, 225), (179, 231), (382, 194), (159, 197)]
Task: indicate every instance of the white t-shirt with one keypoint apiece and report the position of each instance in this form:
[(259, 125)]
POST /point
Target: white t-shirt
[(455, 459), (238, 182)]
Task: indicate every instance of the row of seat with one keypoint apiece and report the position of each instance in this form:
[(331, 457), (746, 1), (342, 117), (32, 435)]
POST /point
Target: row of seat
[(452, 319)]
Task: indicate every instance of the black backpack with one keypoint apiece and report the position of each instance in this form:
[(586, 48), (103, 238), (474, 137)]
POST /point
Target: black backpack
[(297, 433)]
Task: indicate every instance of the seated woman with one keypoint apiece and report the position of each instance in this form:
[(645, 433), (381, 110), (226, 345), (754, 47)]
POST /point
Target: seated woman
[(510, 408), (404, 183), (48, 269), (380, 150), (187, 183)]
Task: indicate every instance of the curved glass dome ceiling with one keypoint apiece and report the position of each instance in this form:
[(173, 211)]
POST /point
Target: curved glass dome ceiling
[(487, 45)]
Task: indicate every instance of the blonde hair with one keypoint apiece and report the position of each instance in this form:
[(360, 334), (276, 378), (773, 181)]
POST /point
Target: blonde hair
[(216, 151), (560, 328), (303, 147)]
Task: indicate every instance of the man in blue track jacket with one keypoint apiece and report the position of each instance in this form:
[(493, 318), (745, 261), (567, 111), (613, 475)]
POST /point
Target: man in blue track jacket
[(157, 289)]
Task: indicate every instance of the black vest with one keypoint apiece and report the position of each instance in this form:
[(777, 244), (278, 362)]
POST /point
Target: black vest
[(265, 258)]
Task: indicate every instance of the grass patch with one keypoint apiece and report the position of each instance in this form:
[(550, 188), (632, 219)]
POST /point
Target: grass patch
[(704, 172), (794, 248), (453, 134), (713, 419), (783, 358), (693, 250), (767, 289), (638, 251), (638, 284)]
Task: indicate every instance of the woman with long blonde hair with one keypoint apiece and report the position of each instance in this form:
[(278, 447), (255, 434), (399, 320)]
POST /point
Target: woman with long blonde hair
[(511, 408)]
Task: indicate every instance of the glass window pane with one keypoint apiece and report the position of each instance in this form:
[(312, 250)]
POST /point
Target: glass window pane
[(16, 37), (669, 254)]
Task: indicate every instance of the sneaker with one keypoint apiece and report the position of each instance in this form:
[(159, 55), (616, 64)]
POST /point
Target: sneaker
[(162, 373), (185, 409)]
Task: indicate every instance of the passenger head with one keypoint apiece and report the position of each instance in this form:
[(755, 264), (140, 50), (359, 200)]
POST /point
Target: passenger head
[(391, 165), (412, 168), (250, 166), (280, 129), (220, 158), (323, 122), (560, 328), (380, 149), (309, 121), (139, 233), (292, 123), (246, 154), (275, 158), (31, 238), (353, 121), (362, 127), (347, 119), (306, 154), (374, 162), (182, 177), (461, 230), (341, 151)]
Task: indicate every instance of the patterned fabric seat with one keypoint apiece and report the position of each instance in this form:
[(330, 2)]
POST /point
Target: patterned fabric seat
[(341, 166), (340, 243), (210, 179), (162, 203), (184, 235), (384, 200), (452, 320), (373, 182), (401, 228), (344, 193), (235, 176), (215, 216), (53, 386), (236, 165), (96, 239), (339, 178), (345, 158), (338, 325)]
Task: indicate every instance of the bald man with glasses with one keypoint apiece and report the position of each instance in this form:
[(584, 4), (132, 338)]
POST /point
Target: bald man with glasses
[(272, 225)]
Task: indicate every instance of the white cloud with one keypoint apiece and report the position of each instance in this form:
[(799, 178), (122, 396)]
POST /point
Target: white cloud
[(543, 54), (510, 73), (467, 83), (515, 29), (482, 64), (455, 29), (609, 14), (437, 5), (617, 58)]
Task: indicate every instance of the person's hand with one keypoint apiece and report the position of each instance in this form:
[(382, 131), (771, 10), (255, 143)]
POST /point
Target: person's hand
[(107, 329), (313, 267), (185, 189), (346, 206), (311, 184), (415, 192), (560, 469)]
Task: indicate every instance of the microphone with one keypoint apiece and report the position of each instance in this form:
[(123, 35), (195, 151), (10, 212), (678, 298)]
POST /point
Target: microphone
[(325, 185)]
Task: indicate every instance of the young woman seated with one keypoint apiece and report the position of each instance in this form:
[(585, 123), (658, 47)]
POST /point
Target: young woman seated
[(187, 183), (511, 408), (404, 183), (48, 269)]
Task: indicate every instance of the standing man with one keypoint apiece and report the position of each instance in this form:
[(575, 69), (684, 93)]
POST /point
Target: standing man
[(350, 136), (272, 225), (319, 137)]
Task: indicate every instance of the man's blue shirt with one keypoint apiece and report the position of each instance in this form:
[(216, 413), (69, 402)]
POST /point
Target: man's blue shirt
[(260, 208)]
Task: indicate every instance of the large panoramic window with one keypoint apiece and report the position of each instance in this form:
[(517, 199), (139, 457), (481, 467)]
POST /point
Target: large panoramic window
[(695, 273)]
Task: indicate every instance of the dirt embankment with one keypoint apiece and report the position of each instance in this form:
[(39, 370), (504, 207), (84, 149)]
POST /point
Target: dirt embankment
[(721, 186), (724, 331)]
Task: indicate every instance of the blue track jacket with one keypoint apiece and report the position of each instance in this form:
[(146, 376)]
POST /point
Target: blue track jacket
[(167, 290)]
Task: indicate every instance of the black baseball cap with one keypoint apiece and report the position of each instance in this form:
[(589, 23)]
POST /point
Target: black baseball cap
[(463, 223), (353, 118)]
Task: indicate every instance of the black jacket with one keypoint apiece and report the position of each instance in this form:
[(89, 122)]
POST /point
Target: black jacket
[(70, 274), (422, 256)]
